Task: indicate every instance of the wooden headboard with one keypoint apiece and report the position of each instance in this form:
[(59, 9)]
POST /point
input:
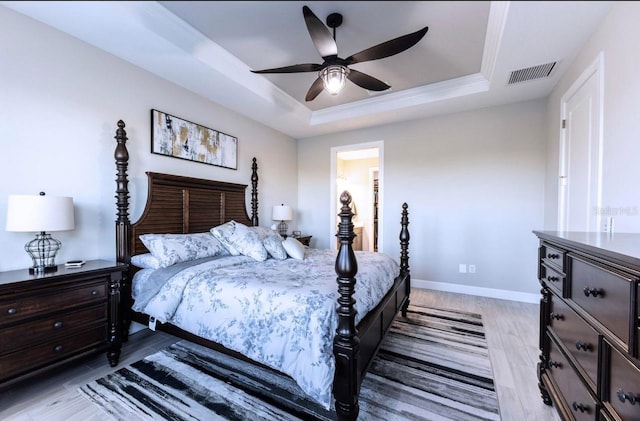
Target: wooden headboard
[(183, 205), (176, 204)]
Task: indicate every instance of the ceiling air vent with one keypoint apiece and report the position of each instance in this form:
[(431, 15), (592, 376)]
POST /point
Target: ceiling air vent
[(531, 73)]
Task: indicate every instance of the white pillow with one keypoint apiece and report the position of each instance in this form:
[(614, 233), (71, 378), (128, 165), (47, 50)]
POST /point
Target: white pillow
[(170, 249), (294, 248), (241, 239)]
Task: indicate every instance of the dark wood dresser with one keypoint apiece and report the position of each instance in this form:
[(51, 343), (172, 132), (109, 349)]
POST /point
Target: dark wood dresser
[(50, 319), (589, 367)]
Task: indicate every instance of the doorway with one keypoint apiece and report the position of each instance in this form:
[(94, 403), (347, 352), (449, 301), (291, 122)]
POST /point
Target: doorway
[(580, 172), (359, 170)]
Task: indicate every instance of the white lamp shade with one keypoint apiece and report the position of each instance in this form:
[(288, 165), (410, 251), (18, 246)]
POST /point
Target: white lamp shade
[(282, 213), (39, 213)]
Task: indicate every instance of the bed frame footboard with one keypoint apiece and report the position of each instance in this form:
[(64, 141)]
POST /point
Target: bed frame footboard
[(354, 349)]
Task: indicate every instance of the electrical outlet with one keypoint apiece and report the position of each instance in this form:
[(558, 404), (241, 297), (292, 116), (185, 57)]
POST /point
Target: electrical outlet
[(472, 268), (462, 268)]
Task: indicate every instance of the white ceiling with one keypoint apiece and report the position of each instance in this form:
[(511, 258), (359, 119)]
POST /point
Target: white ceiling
[(209, 47)]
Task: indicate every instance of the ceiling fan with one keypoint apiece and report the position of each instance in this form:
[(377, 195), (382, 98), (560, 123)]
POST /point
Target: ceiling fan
[(334, 71)]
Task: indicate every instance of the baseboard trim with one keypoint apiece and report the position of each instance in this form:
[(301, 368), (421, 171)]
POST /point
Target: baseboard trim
[(502, 294)]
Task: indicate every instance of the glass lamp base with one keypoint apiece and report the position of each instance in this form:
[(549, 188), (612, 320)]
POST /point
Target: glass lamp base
[(46, 269), (42, 251), (282, 229)]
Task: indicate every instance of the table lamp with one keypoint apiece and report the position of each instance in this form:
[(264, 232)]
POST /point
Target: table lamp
[(282, 213), (29, 213)]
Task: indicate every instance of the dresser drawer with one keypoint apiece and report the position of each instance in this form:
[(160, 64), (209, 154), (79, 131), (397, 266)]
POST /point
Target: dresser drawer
[(31, 358), (553, 279), (553, 256), (622, 390), (54, 299), (49, 328), (604, 294), (578, 400), (579, 339)]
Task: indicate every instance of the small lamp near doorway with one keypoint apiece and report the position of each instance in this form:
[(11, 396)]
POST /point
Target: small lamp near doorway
[(282, 213)]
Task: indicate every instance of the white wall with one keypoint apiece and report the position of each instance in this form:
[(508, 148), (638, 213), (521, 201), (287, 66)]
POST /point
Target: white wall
[(474, 183), (617, 37), (60, 100)]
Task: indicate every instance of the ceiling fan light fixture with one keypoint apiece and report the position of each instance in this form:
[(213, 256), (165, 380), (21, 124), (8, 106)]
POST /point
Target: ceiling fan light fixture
[(334, 78)]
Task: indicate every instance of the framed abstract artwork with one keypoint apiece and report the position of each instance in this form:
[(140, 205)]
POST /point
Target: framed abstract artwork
[(179, 138)]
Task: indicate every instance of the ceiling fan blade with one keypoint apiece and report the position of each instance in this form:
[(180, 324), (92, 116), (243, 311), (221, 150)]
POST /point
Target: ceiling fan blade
[(320, 34), (296, 68), (389, 48), (367, 82), (314, 90)]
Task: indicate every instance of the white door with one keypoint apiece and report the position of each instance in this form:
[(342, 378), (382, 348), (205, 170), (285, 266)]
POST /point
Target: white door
[(580, 154)]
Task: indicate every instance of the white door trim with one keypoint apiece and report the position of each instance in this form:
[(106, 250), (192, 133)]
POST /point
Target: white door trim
[(595, 68)]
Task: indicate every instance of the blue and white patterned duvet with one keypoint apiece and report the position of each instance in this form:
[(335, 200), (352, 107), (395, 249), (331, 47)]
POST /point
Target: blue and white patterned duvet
[(281, 313)]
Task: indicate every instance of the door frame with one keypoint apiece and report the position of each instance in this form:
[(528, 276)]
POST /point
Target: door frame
[(596, 68), (333, 202)]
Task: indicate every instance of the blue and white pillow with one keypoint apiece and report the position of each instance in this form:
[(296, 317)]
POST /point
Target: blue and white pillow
[(239, 238), (170, 249), (224, 233), (272, 242), (146, 261)]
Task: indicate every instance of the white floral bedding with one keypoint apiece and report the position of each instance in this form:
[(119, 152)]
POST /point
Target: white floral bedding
[(281, 313)]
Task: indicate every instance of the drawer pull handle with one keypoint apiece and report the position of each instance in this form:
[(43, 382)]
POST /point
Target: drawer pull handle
[(12, 310), (580, 407), (553, 256), (552, 278), (592, 291), (557, 316), (94, 292), (583, 346), (626, 396), (57, 325), (555, 364), (58, 348)]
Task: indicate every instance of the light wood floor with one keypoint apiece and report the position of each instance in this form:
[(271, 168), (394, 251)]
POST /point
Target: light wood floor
[(511, 330)]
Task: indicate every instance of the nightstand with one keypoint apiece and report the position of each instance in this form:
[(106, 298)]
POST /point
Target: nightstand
[(50, 319), (305, 239)]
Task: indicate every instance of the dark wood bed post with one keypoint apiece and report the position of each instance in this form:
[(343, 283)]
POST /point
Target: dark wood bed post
[(123, 225), (254, 193), (346, 344), (404, 254)]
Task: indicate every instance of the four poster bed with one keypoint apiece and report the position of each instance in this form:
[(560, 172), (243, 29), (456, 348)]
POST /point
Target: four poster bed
[(180, 205)]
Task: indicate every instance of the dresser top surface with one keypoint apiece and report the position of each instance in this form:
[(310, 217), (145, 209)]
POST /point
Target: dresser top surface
[(22, 275), (622, 247)]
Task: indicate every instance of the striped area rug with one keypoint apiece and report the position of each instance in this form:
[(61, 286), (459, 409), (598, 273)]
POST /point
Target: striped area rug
[(433, 365)]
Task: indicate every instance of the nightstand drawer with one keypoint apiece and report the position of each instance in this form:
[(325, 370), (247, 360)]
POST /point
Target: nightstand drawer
[(19, 309), (49, 328), (31, 358)]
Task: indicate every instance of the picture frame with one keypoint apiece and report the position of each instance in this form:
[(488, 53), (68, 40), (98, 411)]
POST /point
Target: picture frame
[(179, 138)]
